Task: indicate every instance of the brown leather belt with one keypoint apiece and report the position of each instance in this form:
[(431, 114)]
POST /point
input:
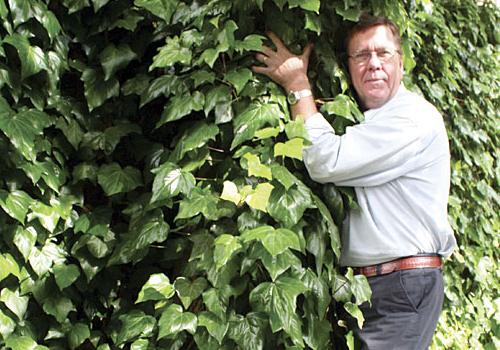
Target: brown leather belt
[(408, 263)]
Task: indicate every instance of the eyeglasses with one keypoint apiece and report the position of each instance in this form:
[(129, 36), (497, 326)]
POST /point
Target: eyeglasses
[(383, 55)]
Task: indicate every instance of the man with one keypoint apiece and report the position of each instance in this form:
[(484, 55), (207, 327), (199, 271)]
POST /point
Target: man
[(398, 162)]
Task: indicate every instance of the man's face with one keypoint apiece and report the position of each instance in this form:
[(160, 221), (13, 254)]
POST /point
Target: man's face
[(375, 79)]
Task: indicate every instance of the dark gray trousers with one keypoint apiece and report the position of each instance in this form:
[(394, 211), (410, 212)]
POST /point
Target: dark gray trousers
[(405, 310)]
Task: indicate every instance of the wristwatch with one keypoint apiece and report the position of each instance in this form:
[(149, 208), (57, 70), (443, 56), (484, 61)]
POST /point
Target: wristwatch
[(294, 96)]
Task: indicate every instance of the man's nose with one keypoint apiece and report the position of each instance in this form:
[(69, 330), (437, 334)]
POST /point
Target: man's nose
[(374, 61)]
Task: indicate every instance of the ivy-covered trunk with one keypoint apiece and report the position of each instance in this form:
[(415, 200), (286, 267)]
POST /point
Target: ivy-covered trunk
[(152, 190)]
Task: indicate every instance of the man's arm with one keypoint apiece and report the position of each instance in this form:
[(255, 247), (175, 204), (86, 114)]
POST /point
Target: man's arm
[(289, 71)]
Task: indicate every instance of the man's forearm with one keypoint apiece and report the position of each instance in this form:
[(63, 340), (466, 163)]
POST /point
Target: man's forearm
[(305, 107)]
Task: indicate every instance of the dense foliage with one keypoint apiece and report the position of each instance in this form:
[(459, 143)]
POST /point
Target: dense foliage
[(152, 191)]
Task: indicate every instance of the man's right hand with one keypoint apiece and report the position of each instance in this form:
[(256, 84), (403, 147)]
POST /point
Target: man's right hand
[(283, 67)]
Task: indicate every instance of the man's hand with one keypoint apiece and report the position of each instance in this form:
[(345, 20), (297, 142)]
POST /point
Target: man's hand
[(285, 68)]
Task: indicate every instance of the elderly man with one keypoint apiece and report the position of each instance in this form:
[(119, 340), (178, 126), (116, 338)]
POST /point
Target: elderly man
[(397, 160)]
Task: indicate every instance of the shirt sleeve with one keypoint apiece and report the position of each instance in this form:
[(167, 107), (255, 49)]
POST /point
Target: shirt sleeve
[(368, 154)]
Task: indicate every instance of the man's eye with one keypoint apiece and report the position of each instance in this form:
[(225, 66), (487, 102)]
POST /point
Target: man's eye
[(361, 56), (384, 53)]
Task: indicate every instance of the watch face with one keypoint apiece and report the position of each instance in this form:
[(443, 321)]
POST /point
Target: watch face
[(292, 98)]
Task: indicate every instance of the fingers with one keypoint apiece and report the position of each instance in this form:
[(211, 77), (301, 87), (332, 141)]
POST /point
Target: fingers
[(276, 41), (307, 51)]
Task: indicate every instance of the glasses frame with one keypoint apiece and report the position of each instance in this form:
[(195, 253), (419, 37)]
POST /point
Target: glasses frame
[(384, 55)]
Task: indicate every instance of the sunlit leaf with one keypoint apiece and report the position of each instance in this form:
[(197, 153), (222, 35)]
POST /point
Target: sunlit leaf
[(173, 320), (256, 116), (291, 148), (225, 246), (158, 287), (180, 106), (161, 8), (170, 180), (189, 290), (133, 324), (33, 59)]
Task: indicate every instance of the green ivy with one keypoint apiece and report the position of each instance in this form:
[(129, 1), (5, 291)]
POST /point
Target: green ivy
[(153, 194)]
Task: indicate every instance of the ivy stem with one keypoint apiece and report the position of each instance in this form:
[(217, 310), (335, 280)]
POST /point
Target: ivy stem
[(216, 149)]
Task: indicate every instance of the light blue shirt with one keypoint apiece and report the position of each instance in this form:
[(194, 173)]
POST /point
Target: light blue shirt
[(398, 162)]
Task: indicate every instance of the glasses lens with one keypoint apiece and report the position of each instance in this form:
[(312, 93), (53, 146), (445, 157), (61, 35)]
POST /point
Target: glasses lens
[(384, 55)]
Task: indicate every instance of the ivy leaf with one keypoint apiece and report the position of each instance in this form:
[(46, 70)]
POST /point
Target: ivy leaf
[(173, 320), (65, 275), (332, 228), (165, 85), (157, 287), (15, 203), (23, 342), (169, 181), (114, 134), (214, 304), (72, 130), (113, 58), (359, 287), (201, 77), (284, 176), (214, 325), (339, 106), (195, 137), (180, 106), (230, 192), (254, 118), (47, 18), (225, 246), (291, 148), (198, 201), (97, 89), (189, 291), (258, 198), (143, 231), (75, 5), (296, 128), (134, 324), (8, 265), (7, 326), (33, 59), (252, 42), (113, 179), (129, 21), (249, 331), (170, 54), (313, 23), (267, 133), (78, 334), (24, 240), (59, 307), (275, 241), (239, 78), (41, 260), (48, 216), (216, 96), (23, 128), (288, 206), (354, 310), (277, 265), (310, 5), (161, 8), (16, 303), (255, 168), (278, 300)]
